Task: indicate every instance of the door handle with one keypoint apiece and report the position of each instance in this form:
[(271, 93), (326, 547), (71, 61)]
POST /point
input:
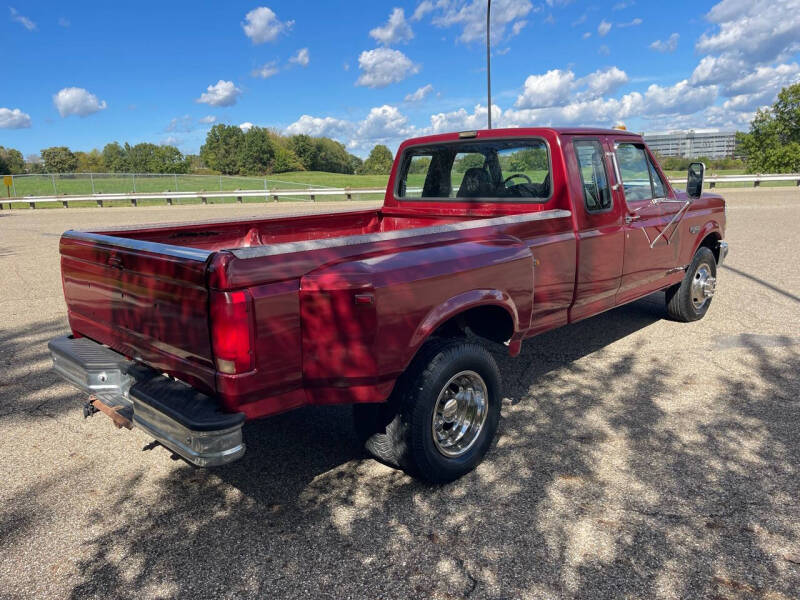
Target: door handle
[(631, 218)]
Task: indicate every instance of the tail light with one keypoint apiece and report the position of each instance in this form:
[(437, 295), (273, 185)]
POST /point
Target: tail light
[(232, 331)]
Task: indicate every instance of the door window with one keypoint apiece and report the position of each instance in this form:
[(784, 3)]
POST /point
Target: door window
[(659, 188), (596, 193), (634, 169)]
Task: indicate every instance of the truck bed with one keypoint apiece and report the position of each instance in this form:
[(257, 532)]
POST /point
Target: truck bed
[(233, 234), (149, 292)]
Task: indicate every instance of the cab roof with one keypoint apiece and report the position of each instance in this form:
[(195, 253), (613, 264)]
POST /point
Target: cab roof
[(517, 132)]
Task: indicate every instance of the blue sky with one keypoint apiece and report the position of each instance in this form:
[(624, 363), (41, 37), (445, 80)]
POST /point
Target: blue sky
[(84, 74)]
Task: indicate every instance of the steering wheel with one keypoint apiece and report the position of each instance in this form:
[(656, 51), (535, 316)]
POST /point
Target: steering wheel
[(510, 177)]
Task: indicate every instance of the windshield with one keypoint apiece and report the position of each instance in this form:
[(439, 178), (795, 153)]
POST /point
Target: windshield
[(495, 170)]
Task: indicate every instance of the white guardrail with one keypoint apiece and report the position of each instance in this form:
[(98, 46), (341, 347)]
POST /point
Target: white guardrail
[(311, 194), (204, 197)]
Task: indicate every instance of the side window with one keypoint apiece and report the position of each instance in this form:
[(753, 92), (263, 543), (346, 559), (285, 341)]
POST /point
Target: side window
[(634, 169), (596, 193), (659, 189)]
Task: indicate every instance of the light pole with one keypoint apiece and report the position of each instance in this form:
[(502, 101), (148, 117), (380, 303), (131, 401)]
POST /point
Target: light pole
[(489, 62)]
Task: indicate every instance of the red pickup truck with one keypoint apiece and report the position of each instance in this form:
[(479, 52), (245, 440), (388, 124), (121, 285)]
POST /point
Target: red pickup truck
[(188, 330)]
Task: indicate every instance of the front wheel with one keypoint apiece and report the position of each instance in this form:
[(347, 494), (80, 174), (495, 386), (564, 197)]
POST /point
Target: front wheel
[(442, 416), (689, 300)]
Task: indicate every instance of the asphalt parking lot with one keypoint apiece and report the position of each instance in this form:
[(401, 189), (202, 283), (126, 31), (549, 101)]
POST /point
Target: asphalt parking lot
[(638, 458)]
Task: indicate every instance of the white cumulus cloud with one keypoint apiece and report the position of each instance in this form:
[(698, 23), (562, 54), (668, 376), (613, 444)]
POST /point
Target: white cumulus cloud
[(382, 66), (668, 45), (548, 89), (266, 70), (557, 87), (262, 25), (222, 93), (423, 8), (14, 118), (395, 30), (302, 58), (246, 126), (21, 19), (321, 126), (603, 28), (207, 120), (679, 98), (758, 31), (77, 101), (420, 94), (470, 16), (463, 120), (604, 81)]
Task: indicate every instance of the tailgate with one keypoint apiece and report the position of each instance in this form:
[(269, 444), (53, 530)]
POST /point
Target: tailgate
[(146, 300)]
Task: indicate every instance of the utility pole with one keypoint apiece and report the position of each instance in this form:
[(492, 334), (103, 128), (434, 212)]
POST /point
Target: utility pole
[(489, 62)]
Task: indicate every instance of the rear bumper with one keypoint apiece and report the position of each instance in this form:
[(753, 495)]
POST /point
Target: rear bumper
[(181, 418)]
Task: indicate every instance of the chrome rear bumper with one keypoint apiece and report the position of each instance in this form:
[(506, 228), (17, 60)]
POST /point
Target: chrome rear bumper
[(184, 420)]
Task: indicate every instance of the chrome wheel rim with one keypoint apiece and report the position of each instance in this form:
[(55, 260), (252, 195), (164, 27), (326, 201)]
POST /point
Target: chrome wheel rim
[(459, 414), (704, 284)]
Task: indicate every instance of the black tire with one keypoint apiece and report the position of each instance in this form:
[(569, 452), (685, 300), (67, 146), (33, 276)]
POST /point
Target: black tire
[(399, 433), (683, 302)]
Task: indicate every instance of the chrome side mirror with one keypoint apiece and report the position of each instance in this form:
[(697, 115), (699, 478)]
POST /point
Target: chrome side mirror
[(694, 179)]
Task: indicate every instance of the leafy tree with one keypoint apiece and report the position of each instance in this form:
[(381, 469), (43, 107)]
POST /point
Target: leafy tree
[(355, 164), (379, 161), (171, 160), (59, 159), (115, 158), (142, 158), (419, 165), (220, 150), (11, 161), (468, 161), (773, 143), (529, 159), (286, 160), (331, 156), (34, 164), (255, 152), (90, 162), (305, 149)]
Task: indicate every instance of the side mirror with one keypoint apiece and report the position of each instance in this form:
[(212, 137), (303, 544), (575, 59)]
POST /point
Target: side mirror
[(694, 179)]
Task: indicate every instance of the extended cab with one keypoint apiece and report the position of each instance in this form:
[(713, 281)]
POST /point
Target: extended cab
[(188, 330)]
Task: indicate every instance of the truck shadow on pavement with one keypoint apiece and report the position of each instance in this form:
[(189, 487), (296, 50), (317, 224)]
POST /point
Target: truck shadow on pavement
[(26, 373), (610, 478)]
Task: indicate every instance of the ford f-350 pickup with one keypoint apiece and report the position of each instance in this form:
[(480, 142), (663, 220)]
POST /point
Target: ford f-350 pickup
[(188, 330)]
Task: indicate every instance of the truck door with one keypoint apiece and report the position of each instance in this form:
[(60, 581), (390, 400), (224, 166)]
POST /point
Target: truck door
[(648, 255), (599, 226)]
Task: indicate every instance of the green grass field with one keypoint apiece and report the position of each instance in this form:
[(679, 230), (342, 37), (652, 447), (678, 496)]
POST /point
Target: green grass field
[(81, 184)]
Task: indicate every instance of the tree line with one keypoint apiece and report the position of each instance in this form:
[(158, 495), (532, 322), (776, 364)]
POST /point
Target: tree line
[(227, 150), (231, 151)]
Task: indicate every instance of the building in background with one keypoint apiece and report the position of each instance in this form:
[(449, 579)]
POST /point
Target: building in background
[(709, 143)]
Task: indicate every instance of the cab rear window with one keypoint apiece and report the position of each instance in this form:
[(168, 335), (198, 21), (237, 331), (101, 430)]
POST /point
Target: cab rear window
[(493, 170)]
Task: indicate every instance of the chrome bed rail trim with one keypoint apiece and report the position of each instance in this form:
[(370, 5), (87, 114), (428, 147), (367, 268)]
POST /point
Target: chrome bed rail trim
[(131, 244), (352, 240)]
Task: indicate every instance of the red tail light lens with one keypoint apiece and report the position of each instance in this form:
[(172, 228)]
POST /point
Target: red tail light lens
[(232, 331)]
